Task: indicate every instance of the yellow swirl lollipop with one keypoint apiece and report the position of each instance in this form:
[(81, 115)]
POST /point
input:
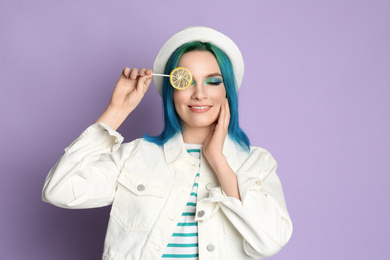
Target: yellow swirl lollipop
[(180, 78)]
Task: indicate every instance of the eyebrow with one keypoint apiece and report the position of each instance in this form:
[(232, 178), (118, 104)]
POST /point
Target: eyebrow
[(214, 74)]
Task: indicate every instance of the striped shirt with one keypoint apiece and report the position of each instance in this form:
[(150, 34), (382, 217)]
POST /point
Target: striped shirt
[(184, 241)]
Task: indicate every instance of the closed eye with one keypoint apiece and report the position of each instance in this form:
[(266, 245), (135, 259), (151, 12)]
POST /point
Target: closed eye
[(213, 81)]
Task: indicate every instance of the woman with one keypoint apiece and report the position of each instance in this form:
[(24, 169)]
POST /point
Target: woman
[(196, 191)]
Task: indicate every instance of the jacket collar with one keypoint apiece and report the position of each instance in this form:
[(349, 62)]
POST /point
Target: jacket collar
[(174, 149)]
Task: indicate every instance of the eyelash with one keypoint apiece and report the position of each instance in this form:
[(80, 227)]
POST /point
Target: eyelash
[(215, 83)]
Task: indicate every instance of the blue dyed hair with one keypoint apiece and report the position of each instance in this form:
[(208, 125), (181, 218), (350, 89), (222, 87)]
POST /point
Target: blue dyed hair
[(172, 121)]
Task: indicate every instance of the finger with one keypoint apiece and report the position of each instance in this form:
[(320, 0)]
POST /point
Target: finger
[(126, 72), (142, 72), (222, 115), (148, 72), (143, 83), (148, 80), (210, 135), (212, 128), (134, 73), (227, 113)]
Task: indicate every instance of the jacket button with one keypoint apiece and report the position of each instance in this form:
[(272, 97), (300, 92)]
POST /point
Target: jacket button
[(201, 213), (141, 187), (210, 248)]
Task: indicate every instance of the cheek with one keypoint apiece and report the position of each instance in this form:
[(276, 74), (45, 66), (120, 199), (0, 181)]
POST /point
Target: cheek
[(219, 95), (178, 99)]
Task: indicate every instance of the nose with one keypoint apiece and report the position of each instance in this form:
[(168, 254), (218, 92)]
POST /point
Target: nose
[(199, 92)]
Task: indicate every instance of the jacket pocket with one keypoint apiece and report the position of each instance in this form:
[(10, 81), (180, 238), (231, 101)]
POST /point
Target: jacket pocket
[(138, 201)]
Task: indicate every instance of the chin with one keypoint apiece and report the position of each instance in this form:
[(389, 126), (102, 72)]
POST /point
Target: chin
[(202, 124)]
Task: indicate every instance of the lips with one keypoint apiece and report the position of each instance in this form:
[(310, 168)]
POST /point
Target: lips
[(200, 109)]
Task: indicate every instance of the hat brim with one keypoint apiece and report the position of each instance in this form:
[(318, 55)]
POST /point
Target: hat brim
[(203, 34)]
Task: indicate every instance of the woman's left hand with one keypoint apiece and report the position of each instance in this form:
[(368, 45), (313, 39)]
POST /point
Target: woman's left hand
[(213, 145)]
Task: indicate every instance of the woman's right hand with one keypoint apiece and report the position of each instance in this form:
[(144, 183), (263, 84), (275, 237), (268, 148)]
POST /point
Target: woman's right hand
[(128, 93)]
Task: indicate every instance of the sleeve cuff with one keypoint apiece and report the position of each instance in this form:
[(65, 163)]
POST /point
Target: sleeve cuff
[(209, 206)]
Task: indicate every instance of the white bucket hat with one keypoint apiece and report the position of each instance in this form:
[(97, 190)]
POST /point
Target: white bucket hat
[(203, 34)]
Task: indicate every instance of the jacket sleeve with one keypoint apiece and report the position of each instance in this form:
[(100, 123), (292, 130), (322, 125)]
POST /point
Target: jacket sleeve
[(85, 176), (261, 217)]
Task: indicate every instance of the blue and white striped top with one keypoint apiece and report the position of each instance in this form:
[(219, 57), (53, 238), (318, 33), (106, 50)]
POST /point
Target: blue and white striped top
[(184, 241)]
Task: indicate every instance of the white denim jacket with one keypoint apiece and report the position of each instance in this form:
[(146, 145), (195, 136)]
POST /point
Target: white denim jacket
[(149, 185)]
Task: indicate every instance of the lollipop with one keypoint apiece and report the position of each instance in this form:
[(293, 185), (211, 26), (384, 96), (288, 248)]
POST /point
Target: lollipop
[(180, 78)]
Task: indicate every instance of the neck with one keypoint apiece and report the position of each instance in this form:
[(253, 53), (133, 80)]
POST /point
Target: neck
[(198, 135)]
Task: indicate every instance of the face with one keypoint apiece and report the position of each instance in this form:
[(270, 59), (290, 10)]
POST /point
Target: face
[(199, 105)]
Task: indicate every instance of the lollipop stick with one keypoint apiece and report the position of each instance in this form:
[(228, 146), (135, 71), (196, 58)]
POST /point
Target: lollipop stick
[(154, 74), (162, 75)]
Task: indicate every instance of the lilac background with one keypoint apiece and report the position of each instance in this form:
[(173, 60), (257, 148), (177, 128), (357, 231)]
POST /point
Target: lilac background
[(315, 93)]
